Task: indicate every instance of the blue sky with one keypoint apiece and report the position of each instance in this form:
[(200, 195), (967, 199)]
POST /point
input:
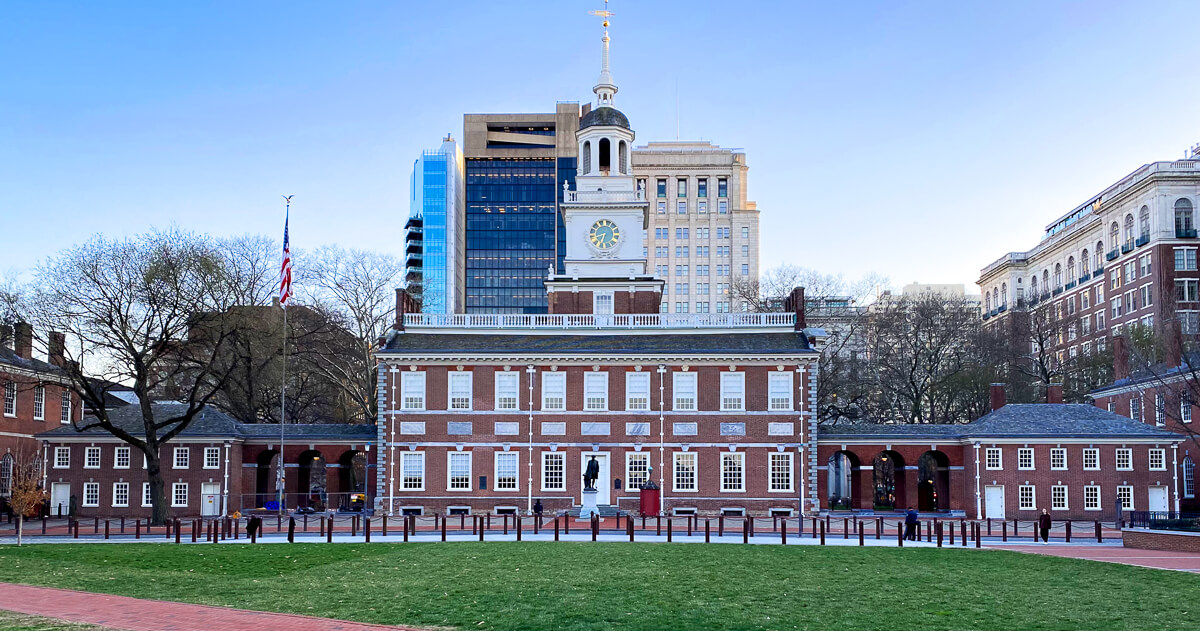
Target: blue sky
[(917, 140)]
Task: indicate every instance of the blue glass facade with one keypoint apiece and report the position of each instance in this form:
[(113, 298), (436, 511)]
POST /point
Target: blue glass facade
[(431, 257)]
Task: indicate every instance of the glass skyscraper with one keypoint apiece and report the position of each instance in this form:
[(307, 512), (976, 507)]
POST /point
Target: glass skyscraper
[(434, 243)]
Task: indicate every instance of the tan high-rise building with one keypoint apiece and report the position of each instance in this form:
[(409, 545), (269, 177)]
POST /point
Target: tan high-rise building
[(702, 235)]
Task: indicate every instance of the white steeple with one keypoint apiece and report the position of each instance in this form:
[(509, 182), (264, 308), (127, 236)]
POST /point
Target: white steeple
[(605, 87)]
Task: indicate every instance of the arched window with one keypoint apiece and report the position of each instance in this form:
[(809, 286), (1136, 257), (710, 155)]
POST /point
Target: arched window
[(624, 158), (1129, 230), (1083, 264), (1184, 224), (6, 473), (1144, 222), (1004, 294), (1033, 287), (587, 157), (1070, 269), (1046, 280), (605, 156), (987, 301), (1058, 282), (1099, 255), (1114, 236), (1189, 477)]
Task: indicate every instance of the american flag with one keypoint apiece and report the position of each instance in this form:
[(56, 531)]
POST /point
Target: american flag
[(285, 270)]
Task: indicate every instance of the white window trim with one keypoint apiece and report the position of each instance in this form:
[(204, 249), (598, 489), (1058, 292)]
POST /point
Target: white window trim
[(1132, 505), (187, 454), (738, 379), (561, 380), (676, 377), (496, 471), (10, 385), (187, 495), (146, 499), (1117, 459), (1033, 493), (413, 378), (1099, 498), (1066, 505), (70, 407), (87, 453), (507, 376), (1063, 451), (600, 376), (727, 456), (554, 455), (114, 495), (780, 376), (999, 459), (117, 460), (630, 456), (466, 376), (410, 455), (84, 500), (1032, 461), (62, 450), (1162, 459), (631, 377), (39, 403), (450, 456), (791, 467), (208, 450), (675, 457)]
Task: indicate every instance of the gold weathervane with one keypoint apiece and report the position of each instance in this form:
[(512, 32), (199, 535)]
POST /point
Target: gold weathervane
[(604, 14)]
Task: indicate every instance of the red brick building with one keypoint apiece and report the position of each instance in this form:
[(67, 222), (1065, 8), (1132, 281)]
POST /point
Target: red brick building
[(34, 395)]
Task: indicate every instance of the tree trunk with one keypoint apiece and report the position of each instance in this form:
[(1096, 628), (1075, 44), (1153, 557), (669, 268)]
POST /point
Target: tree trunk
[(20, 528), (160, 512)]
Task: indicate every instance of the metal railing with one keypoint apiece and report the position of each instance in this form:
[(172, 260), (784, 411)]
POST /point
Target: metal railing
[(591, 321), (1165, 520), (603, 196)]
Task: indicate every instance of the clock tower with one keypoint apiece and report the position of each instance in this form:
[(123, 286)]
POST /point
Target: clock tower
[(606, 217)]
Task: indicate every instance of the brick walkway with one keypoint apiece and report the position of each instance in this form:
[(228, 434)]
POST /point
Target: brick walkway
[(135, 614), (1181, 561)]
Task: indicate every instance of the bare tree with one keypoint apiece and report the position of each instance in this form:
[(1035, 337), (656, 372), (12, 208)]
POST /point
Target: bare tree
[(26, 492), (126, 306)]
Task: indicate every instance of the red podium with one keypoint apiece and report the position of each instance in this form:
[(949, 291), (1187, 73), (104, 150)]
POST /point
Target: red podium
[(649, 498)]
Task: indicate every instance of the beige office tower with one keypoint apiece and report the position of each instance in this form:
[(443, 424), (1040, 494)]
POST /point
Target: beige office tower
[(702, 236)]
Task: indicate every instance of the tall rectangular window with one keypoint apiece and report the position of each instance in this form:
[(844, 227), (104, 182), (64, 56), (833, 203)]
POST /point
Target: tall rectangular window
[(779, 471), (1185, 407), (637, 470), (146, 499), (120, 494), (1160, 409), (722, 187), (554, 471), (39, 403), (701, 187), (412, 390), (10, 398), (64, 407), (179, 494), (684, 470), (1124, 459), (62, 457), (1058, 458), (1026, 497), (460, 390), (681, 207), (1091, 498), (91, 458), (683, 387), (1025, 458), (212, 457), (506, 471), (779, 391), (722, 207), (681, 187), (508, 388), (662, 207), (733, 391), (595, 391), (1187, 290), (1158, 460), (733, 471), (637, 391), (1091, 459), (554, 391), (121, 458), (1125, 496), (1135, 407), (993, 458), (183, 457), (1058, 497), (458, 471), (91, 493), (661, 187), (412, 470)]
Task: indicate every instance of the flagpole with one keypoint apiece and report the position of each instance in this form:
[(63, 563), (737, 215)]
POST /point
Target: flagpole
[(284, 292)]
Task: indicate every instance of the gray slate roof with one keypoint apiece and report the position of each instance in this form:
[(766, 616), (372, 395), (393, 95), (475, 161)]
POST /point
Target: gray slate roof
[(1015, 420), (211, 422), (680, 344), (10, 358)]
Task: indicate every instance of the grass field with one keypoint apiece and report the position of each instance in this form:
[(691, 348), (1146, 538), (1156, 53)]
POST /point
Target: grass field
[(10, 621), (629, 586)]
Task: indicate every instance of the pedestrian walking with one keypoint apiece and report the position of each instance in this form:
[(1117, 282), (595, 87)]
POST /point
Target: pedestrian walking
[(910, 524), (1044, 526)]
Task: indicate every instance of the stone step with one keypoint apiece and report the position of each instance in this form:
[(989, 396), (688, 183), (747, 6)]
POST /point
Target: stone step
[(605, 510)]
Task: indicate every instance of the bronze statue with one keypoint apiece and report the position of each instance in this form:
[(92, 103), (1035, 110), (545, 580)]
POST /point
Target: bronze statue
[(591, 473)]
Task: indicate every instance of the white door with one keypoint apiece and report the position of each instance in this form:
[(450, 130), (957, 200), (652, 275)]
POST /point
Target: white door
[(60, 499), (210, 500), (993, 502), (1158, 499), (603, 481)]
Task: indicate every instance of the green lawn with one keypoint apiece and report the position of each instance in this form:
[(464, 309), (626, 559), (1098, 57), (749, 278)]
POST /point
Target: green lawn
[(629, 586), (10, 621)]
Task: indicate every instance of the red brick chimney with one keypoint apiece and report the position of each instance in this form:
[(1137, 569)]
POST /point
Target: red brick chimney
[(998, 397), (1174, 344), (23, 346), (1054, 393), (1120, 358), (6, 334), (56, 348), (795, 303), (405, 303)]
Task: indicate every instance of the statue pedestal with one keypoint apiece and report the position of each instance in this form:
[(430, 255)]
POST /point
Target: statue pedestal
[(589, 504)]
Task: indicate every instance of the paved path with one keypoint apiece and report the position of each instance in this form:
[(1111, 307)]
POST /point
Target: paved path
[(1182, 561), (135, 614)]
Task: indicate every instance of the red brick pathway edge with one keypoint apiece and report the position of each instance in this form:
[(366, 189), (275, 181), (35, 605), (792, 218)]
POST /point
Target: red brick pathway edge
[(136, 614)]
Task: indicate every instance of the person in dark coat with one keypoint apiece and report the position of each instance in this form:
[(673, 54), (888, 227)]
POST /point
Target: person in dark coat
[(291, 530), (910, 524), (1044, 526), (538, 508)]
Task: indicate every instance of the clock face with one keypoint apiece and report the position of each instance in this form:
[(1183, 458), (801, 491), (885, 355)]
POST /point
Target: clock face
[(604, 234)]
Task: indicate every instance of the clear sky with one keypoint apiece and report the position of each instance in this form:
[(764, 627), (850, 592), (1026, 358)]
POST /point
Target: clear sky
[(917, 140)]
